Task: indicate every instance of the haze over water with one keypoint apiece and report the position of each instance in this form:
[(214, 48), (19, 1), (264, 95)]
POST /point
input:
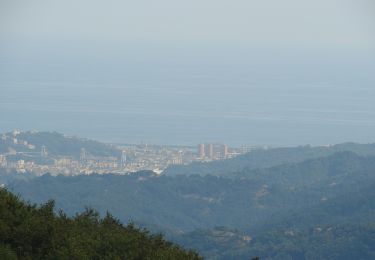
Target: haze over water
[(180, 100), (244, 79)]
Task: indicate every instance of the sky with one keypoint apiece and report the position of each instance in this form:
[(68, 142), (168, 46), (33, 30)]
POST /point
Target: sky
[(320, 22), (284, 72)]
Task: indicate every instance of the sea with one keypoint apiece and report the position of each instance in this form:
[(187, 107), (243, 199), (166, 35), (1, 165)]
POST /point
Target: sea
[(193, 100)]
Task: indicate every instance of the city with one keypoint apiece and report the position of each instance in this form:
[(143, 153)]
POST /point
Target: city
[(24, 156)]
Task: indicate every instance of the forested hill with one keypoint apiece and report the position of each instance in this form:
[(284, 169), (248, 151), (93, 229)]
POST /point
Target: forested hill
[(275, 212), (249, 199), (261, 158), (324, 242), (31, 232), (57, 144)]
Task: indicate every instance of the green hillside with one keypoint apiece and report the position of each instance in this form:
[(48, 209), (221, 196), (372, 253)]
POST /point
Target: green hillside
[(250, 198), (31, 232), (261, 158), (330, 242), (56, 144), (256, 209)]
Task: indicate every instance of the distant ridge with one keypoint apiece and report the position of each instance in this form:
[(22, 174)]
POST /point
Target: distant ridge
[(57, 144), (267, 158), (275, 212)]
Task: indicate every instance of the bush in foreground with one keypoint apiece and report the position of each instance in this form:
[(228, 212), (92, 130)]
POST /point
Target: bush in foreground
[(36, 232)]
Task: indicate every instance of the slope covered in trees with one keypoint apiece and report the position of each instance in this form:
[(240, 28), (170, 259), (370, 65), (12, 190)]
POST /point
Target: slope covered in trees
[(261, 158), (267, 211), (250, 198), (331, 242), (57, 145), (31, 232)]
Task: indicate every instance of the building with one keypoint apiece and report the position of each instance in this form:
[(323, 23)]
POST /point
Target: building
[(209, 151), (213, 151), (123, 161), (201, 152), (224, 151)]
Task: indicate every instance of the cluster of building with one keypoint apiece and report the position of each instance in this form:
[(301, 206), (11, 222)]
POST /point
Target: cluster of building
[(154, 157), (132, 158), (213, 152)]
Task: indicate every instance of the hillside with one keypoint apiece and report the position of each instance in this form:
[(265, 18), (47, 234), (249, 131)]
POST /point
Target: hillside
[(251, 198), (335, 192), (261, 158), (8, 176), (31, 232), (29, 144), (330, 242)]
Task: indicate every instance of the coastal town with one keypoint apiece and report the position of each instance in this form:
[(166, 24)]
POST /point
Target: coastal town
[(20, 154)]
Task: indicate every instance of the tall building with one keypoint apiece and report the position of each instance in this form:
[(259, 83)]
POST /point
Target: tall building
[(209, 151), (201, 152), (123, 159), (224, 151), (212, 151)]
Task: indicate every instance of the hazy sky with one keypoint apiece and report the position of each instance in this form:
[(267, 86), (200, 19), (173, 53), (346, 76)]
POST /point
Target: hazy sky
[(171, 71), (318, 22)]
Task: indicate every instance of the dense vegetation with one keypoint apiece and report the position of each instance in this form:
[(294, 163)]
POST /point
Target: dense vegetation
[(285, 203), (31, 232), (329, 193), (267, 158), (252, 199), (10, 175), (57, 145), (341, 242)]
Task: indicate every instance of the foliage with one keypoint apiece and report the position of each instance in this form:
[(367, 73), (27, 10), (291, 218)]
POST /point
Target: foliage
[(57, 145), (10, 175), (264, 158), (250, 199), (346, 241), (333, 193), (32, 232)]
